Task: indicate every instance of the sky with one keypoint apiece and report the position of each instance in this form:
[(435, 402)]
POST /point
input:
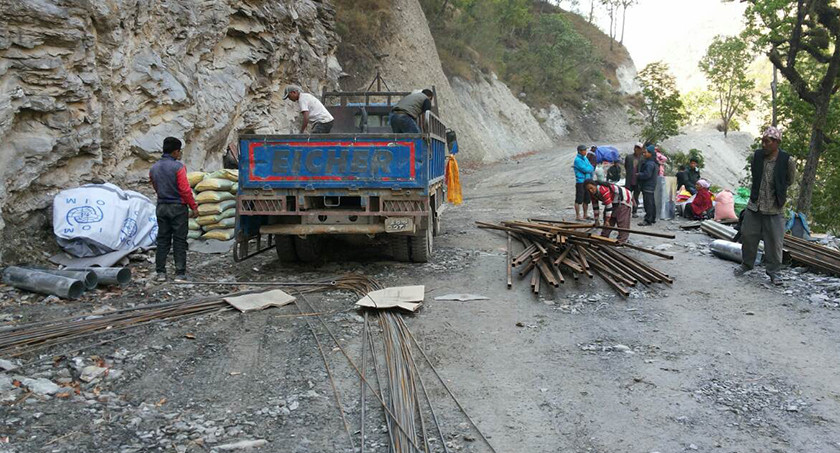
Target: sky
[(676, 32)]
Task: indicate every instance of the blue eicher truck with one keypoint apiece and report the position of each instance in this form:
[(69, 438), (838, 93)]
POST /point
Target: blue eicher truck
[(361, 179)]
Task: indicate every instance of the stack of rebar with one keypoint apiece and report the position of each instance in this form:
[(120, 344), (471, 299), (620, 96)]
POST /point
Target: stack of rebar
[(554, 250), (813, 255), (17, 340), (801, 252)]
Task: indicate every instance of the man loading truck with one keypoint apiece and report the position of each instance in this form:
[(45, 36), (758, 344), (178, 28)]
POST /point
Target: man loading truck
[(311, 109), (407, 116)]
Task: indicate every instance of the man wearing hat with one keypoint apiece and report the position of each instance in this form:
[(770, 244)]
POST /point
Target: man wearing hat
[(311, 109), (773, 171), (407, 116)]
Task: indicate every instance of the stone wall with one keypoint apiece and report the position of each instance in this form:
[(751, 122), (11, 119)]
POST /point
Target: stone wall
[(89, 88)]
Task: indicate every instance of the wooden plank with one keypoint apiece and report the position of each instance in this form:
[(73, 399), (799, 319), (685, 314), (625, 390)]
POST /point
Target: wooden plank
[(509, 263)]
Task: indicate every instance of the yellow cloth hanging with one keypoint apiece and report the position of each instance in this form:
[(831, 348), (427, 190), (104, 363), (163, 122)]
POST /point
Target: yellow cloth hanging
[(453, 181)]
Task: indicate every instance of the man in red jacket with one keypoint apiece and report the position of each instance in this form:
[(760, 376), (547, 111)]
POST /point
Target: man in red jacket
[(174, 196)]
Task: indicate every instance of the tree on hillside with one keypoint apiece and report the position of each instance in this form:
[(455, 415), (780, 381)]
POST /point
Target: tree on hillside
[(555, 60), (612, 7), (725, 65), (662, 109), (796, 116), (802, 40), (624, 5)]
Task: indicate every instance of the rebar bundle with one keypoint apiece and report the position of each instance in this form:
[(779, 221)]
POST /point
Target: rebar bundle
[(553, 250), (17, 340)]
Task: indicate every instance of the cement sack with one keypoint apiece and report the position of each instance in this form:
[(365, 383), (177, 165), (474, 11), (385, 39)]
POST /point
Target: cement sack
[(193, 225), (194, 234), (96, 219), (234, 189), (195, 177), (214, 184), (230, 222), (215, 208), (216, 218), (230, 175), (212, 196), (725, 206), (219, 235)]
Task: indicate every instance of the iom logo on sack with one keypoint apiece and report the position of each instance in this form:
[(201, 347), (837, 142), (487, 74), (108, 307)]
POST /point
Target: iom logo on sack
[(128, 231), (83, 216)]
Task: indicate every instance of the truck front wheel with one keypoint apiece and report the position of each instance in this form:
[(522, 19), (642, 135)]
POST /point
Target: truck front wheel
[(422, 246)]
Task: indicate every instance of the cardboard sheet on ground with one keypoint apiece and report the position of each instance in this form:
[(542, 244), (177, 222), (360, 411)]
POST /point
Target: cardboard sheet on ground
[(405, 297), (106, 260), (260, 301), (462, 297)]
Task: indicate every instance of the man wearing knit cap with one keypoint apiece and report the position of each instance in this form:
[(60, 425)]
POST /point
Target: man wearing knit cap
[(773, 170)]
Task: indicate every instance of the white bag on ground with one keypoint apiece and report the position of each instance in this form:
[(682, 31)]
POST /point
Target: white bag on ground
[(100, 218)]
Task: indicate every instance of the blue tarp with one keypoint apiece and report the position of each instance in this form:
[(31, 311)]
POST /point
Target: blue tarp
[(606, 153)]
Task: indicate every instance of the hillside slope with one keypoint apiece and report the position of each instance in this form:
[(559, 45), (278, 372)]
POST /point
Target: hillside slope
[(491, 122)]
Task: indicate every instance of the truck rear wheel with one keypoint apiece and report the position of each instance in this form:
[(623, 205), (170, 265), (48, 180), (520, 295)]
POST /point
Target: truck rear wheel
[(308, 249), (285, 248), (422, 246), (400, 248)]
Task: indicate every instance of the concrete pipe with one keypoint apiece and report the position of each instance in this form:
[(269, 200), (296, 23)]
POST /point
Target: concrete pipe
[(42, 282), (109, 275)]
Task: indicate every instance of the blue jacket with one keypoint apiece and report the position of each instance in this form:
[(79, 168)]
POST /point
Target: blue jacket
[(583, 169), (648, 174)]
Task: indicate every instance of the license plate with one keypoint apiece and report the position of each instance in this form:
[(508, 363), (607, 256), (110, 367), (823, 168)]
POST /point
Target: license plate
[(399, 225)]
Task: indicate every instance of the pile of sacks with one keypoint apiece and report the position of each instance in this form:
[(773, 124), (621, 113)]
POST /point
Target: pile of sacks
[(215, 194)]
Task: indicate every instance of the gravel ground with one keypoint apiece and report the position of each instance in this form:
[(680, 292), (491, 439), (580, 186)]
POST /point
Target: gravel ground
[(711, 363)]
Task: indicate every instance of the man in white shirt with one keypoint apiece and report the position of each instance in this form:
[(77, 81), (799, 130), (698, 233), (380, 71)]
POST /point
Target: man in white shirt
[(313, 111)]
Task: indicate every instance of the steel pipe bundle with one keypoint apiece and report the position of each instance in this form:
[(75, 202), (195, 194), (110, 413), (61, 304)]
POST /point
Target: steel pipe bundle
[(108, 275), (553, 250), (43, 282), (89, 278)]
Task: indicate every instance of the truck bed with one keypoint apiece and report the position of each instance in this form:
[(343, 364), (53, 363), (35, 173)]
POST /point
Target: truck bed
[(341, 161)]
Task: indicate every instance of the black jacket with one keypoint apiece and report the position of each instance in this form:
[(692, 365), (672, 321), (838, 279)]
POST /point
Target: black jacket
[(648, 174), (693, 176)]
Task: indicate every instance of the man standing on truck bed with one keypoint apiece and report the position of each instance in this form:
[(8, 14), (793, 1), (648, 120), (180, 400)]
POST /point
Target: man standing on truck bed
[(407, 116), (174, 196), (311, 109)]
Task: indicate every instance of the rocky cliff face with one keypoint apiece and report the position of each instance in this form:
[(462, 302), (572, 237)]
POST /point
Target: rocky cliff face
[(491, 122), (89, 88)]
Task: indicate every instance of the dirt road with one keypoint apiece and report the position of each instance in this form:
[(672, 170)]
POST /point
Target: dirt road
[(712, 363)]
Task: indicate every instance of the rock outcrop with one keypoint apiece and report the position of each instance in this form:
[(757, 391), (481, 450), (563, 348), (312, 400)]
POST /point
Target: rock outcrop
[(89, 89)]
